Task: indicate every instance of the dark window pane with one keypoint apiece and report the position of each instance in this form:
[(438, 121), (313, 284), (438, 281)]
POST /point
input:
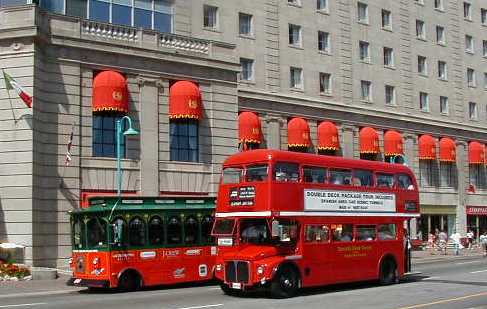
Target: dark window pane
[(174, 231), (191, 231), (97, 122), (184, 140), (97, 150), (193, 156), (76, 8), (56, 6), (156, 231), (137, 232), (162, 22), (193, 143), (174, 155), (121, 15), (183, 156), (143, 18), (183, 129), (12, 2), (99, 11), (193, 129)]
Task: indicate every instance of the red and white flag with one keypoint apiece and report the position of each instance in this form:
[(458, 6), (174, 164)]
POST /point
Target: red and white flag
[(11, 83), (68, 159)]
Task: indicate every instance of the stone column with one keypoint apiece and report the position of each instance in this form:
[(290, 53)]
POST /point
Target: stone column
[(149, 136), (348, 142), (273, 137), (462, 171)]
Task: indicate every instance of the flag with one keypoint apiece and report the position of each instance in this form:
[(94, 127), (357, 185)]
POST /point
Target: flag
[(10, 83), (68, 151)]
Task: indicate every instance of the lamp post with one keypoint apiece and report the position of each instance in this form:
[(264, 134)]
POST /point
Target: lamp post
[(130, 131)]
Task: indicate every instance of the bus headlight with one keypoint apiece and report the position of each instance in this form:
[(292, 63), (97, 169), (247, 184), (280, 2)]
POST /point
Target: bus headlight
[(96, 261), (218, 267), (260, 270)]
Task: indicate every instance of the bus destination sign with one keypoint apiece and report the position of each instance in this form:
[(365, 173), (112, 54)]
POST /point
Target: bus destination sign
[(242, 196), (348, 201)]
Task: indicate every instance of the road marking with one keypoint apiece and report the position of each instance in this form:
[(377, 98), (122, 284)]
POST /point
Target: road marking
[(445, 301), (471, 262), (203, 306), (19, 305), (41, 293), (478, 271)]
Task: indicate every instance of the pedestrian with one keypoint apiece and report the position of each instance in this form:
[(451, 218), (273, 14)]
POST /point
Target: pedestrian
[(431, 242), (455, 237), (442, 240), (483, 242), (470, 239)]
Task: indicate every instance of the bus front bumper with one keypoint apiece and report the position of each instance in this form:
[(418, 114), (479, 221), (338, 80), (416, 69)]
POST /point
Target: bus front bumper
[(91, 283)]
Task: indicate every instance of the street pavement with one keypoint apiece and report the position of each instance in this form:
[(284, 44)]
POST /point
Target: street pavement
[(444, 282)]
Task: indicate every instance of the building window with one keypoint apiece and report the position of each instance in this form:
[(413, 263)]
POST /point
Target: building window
[(366, 90), (77, 8), (422, 65), (442, 71), (439, 4), (469, 44), (440, 35), (184, 140), (322, 5), (423, 101), (472, 110), (483, 16), (362, 12), (364, 51), (325, 83), (247, 73), (105, 137), (471, 77), (467, 10), (444, 109), (56, 6), (210, 16), (245, 24), (420, 29), (485, 81), (427, 173), (484, 48), (386, 19), (295, 35), (447, 174), (296, 80), (324, 41), (390, 95), (388, 57), (477, 175)]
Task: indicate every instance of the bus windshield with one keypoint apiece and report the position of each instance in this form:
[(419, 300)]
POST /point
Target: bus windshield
[(258, 172), (232, 175), (224, 227), (97, 233), (254, 231)]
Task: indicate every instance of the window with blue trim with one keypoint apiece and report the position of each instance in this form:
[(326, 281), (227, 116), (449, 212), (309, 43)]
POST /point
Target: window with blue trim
[(99, 11), (5, 3), (184, 141), (104, 135)]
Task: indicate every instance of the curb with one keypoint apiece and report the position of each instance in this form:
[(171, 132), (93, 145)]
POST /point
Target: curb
[(424, 260), (40, 293)]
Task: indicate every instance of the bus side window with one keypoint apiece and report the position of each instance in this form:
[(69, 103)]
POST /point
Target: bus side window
[(156, 231), (97, 232), (405, 182), (341, 177), (206, 226), (386, 232), (317, 233), (343, 232), (286, 172), (385, 180), (137, 232), (256, 173), (366, 232), (191, 231), (363, 178), (118, 231), (314, 174), (174, 231)]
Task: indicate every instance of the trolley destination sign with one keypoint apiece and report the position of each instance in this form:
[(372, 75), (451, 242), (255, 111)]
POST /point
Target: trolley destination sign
[(333, 200)]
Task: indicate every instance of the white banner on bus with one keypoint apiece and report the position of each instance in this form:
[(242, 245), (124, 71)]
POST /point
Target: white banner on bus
[(348, 201)]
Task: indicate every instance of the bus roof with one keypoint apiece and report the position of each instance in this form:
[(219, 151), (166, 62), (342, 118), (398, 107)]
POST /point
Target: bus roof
[(134, 203), (266, 155)]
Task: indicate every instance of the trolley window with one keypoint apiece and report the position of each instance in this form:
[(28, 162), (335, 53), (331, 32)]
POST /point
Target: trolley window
[(341, 177), (314, 174), (137, 232), (342, 232), (156, 231)]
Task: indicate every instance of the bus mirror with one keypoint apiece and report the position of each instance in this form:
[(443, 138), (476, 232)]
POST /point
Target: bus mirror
[(275, 228)]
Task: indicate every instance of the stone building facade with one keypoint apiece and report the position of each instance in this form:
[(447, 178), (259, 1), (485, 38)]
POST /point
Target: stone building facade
[(380, 64)]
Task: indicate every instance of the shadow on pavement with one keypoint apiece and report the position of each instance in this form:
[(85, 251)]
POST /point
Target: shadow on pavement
[(151, 288)]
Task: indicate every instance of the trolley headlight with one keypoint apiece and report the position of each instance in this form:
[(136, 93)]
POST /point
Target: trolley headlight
[(96, 261), (260, 269)]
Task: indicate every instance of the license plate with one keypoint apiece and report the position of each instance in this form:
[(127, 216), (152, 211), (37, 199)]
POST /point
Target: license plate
[(76, 281), (237, 286)]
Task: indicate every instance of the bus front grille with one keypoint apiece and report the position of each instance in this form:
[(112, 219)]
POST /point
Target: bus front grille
[(237, 271)]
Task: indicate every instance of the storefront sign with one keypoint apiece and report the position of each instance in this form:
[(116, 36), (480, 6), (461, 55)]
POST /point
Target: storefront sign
[(477, 210), (326, 200)]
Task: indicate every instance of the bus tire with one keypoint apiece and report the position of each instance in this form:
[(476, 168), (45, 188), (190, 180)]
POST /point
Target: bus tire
[(285, 283), (129, 281), (228, 290), (389, 273)]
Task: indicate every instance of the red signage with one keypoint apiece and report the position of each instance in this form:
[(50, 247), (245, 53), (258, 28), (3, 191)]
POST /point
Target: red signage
[(477, 210)]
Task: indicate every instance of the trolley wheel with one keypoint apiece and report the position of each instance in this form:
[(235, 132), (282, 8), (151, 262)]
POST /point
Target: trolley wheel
[(129, 281), (388, 272), (285, 283), (228, 290)]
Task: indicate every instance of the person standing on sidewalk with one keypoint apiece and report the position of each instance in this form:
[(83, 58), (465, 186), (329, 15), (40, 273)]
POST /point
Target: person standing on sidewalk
[(483, 242), (442, 240), (470, 239)]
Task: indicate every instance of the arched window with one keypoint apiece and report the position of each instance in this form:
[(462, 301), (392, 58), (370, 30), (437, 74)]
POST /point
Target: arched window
[(137, 232), (97, 232), (191, 231), (119, 231), (156, 231), (206, 226), (174, 231)]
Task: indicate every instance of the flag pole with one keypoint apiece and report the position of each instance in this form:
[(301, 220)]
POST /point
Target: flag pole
[(9, 98)]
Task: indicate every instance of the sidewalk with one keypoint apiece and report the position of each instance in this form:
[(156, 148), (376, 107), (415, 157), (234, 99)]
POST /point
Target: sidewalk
[(12, 289), (427, 255)]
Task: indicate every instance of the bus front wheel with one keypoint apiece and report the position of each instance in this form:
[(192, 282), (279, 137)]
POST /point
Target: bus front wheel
[(285, 283), (388, 272)]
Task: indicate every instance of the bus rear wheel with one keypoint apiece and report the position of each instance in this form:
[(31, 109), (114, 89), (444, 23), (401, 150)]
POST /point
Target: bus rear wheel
[(129, 281), (285, 283), (388, 272)]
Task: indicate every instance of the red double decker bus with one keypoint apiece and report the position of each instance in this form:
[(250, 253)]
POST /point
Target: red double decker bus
[(287, 220)]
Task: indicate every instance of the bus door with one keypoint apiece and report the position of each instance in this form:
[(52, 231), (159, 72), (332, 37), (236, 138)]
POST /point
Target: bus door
[(407, 245), (341, 253), (316, 253), (365, 251)]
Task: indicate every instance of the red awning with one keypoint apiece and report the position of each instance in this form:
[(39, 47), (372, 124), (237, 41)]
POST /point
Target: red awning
[(110, 92), (249, 128), (476, 153), (369, 140), (328, 136), (448, 150), (298, 133), (185, 101), (427, 147), (393, 143)]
